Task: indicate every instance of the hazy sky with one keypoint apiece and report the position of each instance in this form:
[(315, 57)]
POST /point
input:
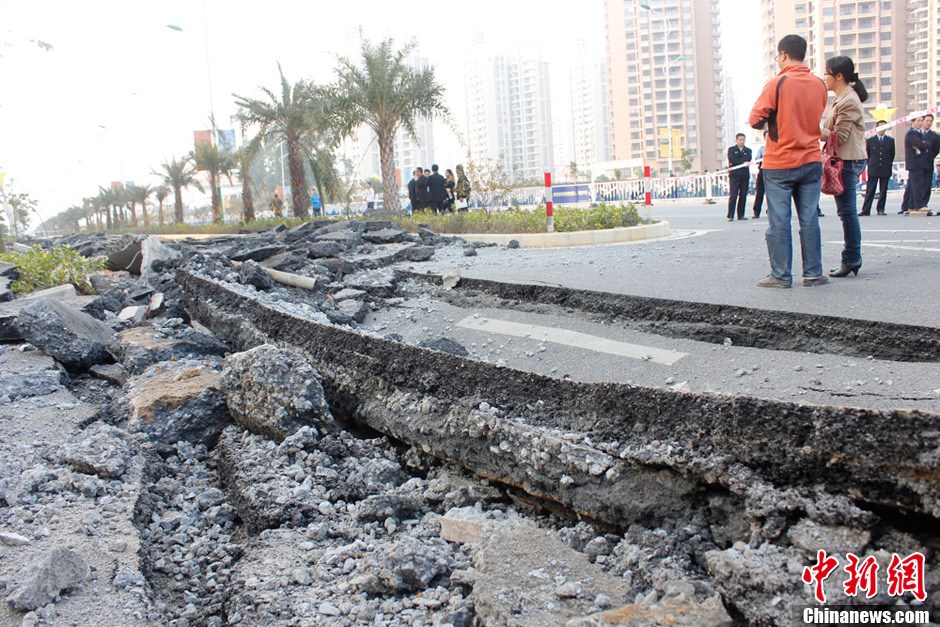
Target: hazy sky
[(120, 92)]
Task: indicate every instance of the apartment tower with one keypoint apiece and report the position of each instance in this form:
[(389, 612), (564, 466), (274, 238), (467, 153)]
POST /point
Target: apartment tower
[(590, 129), (665, 82), (894, 44), (509, 115)]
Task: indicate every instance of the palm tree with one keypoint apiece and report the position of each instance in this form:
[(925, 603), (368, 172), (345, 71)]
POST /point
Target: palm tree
[(243, 159), (104, 200), (216, 161), (160, 192), (296, 117), (386, 94), (139, 194), (179, 174)]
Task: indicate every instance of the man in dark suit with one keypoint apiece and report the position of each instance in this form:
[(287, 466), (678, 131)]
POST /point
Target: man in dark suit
[(436, 190), (918, 170), (880, 150), (738, 180), (933, 149), (421, 188), (413, 189)]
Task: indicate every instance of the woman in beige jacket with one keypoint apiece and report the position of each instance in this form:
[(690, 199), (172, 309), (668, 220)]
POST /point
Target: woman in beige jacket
[(846, 121)]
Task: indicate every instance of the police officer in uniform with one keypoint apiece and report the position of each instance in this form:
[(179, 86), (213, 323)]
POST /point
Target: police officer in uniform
[(739, 179), (880, 149)]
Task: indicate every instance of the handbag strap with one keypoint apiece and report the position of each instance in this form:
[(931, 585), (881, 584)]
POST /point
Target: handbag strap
[(832, 140)]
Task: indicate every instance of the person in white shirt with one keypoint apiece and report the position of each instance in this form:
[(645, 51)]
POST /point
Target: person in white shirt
[(370, 196)]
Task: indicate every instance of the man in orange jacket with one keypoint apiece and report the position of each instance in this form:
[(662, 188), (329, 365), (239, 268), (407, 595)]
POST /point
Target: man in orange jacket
[(791, 105)]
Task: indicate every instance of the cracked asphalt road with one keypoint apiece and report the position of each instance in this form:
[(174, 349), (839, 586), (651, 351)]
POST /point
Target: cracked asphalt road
[(706, 260)]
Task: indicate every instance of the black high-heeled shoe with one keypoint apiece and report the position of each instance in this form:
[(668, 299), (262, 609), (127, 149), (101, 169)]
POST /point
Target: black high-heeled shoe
[(845, 269)]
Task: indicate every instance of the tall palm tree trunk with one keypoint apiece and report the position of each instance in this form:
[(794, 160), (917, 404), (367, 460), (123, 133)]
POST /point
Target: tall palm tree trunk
[(247, 201), (387, 158), (216, 201), (133, 207), (143, 214), (178, 207), (298, 182)]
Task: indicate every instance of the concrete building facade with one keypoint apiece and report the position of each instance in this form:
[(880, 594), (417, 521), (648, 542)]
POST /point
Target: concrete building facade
[(894, 44), (509, 114), (665, 82), (590, 127)]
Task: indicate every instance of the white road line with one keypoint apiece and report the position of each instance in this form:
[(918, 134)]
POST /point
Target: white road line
[(572, 338), (932, 250), (901, 230)]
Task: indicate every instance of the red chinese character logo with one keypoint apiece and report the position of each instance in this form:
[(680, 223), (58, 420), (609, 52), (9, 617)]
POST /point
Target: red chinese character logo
[(907, 575), (862, 574), (819, 572)]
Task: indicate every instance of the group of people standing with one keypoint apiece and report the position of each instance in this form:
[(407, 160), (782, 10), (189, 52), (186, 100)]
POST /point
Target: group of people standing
[(428, 189), (790, 110)]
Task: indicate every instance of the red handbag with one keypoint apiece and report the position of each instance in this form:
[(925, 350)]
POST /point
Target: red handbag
[(832, 167)]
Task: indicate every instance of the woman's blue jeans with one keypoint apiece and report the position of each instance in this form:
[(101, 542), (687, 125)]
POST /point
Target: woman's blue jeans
[(846, 207)]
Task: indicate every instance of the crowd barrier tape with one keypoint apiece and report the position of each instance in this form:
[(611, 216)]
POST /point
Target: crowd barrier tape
[(904, 120)]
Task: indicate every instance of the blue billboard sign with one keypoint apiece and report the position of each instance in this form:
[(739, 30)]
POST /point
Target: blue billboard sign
[(571, 194)]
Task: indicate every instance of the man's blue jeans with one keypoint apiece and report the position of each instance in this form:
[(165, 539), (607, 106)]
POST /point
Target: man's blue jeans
[(800, 185), (846, 206)]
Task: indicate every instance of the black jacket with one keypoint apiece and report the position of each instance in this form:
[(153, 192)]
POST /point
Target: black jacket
[(413, 192), (422, 190), (436, 187), (880, 156), (933, 146), (915, 151), (737, 156)]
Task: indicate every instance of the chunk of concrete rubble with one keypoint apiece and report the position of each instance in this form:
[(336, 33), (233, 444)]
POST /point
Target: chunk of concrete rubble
[(347, 293), (156, 303), (155, 254), (407, 565), (416, 253), (519, 568), (8, 270), (6, 294), (445, 345), (349, 239), (141, 347), (13, 539), (72, 337), (250, 273), (273, 392), (39, 383), (135, 314), (41, 582), (355, 309), (180, 400), (384, 236), (812, 536), (763, 584), (100, 450), (59, 292), (112, 373), (464, 525), (675, 612), (254, 252), (451, 280), (319, 250)]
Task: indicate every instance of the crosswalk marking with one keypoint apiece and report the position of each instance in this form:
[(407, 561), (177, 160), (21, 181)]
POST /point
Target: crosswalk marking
[(572, 338)]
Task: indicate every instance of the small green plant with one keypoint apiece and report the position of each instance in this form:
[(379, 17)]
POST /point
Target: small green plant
[(40, 268)]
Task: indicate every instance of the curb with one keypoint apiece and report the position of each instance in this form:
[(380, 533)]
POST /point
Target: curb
[(574, 238)]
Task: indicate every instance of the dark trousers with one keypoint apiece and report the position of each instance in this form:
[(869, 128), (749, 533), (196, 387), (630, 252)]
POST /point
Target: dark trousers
[(878, 182), (759, 193), (738, 194), (917, 192)]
